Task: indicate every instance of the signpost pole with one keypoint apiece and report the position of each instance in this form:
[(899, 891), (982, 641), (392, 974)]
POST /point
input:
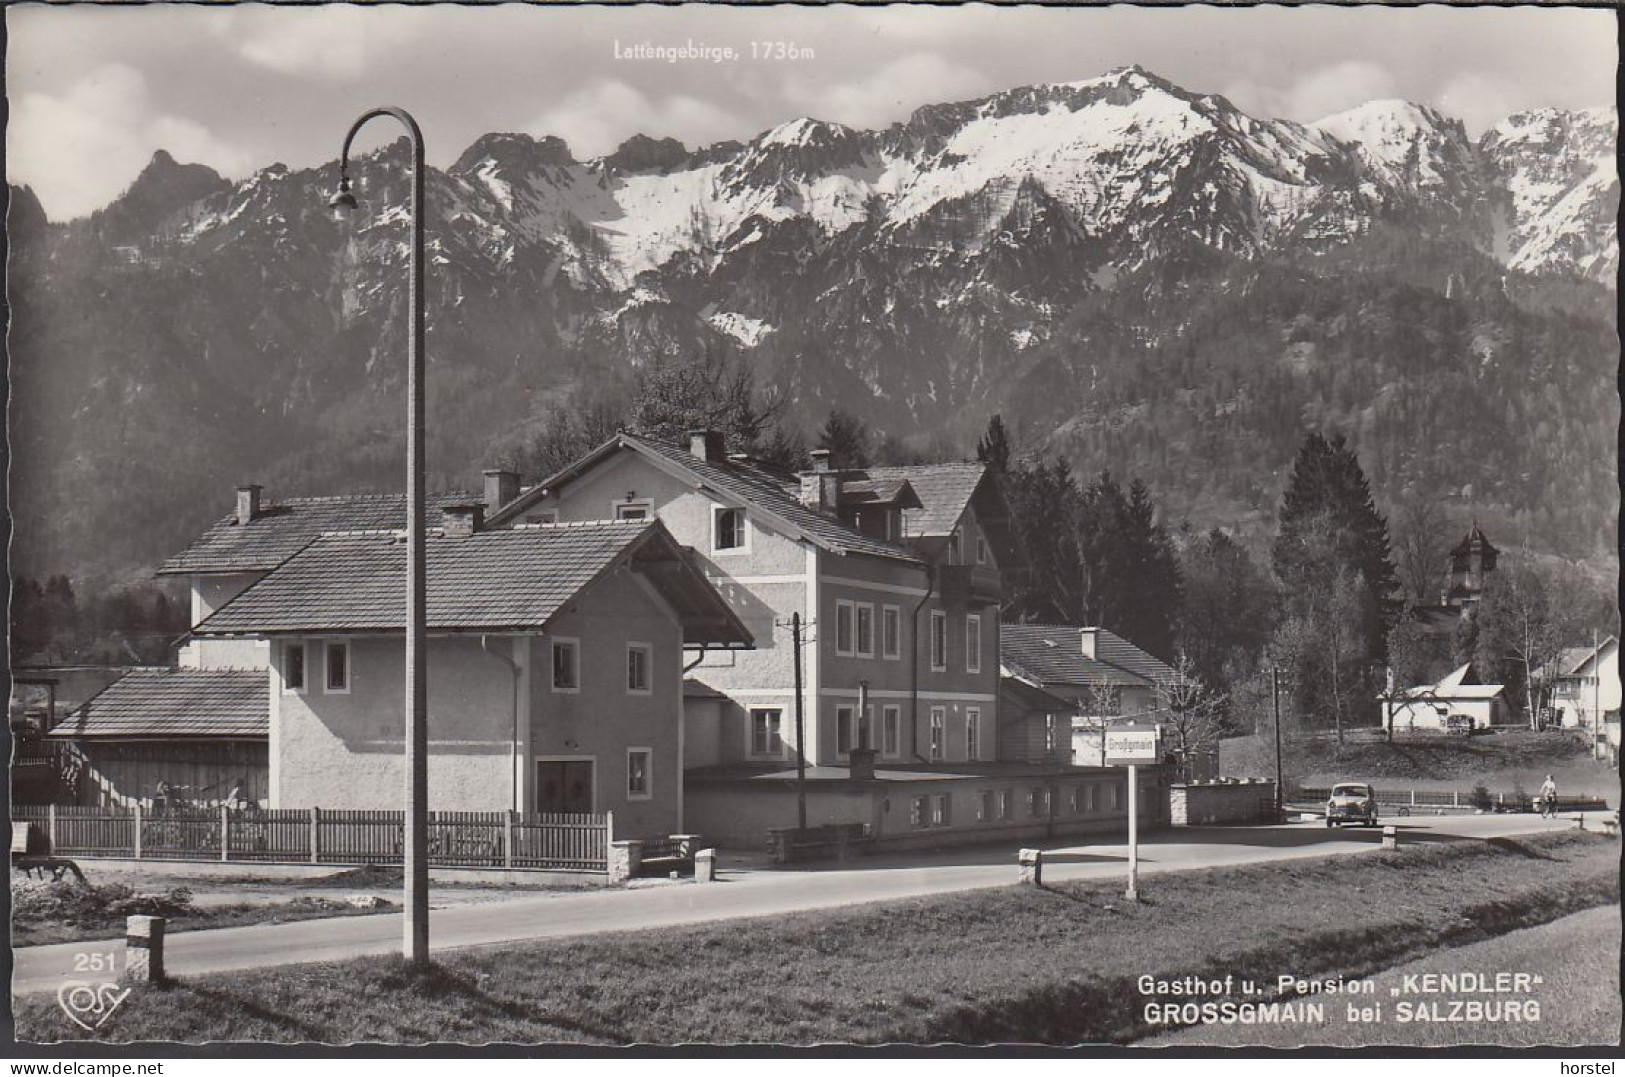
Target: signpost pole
[(1133, 892)]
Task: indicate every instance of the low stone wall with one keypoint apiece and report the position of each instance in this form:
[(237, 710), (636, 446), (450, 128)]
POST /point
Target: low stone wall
[(1223, 800)]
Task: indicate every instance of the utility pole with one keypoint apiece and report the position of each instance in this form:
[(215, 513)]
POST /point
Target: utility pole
[(801, 728), (1275, 694)]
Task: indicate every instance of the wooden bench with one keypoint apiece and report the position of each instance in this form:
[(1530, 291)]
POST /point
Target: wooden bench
[(31, 854)]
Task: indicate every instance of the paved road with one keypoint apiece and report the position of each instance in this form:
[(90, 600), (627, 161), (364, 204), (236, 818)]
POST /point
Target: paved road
[(744, 891)]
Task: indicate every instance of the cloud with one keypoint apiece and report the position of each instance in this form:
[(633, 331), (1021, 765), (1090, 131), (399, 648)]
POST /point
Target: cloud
[(80, 148), (889, 94), (1326, 91), (1481, 102), (597, 119), (337, 41)]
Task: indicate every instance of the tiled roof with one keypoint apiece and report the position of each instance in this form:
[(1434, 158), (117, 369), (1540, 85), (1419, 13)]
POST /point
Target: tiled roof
[(493, 579), (177, 703), (283, 527), (1053, 655), (774, 493), (514, 579), (943, 489)]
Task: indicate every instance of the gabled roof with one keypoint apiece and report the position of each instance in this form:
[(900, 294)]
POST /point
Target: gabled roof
[(167, 703), (737, 482), (1052, 655), (510, 580), (1475, 537), (1576, 659), (944, 491), (1451, 686), (282, 528), (1015, 693)]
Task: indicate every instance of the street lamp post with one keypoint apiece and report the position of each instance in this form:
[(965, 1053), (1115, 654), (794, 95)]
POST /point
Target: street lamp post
[(415, 941)]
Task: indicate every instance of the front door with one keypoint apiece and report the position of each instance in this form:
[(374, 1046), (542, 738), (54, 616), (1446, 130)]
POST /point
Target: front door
[(564, 786)]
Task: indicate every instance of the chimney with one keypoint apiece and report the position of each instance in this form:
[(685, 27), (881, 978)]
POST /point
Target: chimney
[(707, 445), (1089, 642), (821, 487), (461, 521), (248, 503), (501, 487)]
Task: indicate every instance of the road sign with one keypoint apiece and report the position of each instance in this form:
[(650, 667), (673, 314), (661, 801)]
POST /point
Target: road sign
[(1127, 746)]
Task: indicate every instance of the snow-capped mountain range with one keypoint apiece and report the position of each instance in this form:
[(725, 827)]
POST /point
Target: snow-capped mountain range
[(923, 272)]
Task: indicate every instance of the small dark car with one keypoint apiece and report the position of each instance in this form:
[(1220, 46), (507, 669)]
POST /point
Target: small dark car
[(1352, 802)]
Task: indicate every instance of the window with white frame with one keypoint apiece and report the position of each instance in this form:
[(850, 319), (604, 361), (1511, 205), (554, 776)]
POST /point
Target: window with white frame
[(844, 616), (939, 732), (891, 632), (891, 729), (843, 729), (939, 641), (728, 531), (767, 732), (337, 675), (566, 665), (633, 510), (639, 779), (865, 630), (293, 667), (637, 669), (973, 733), (939, 810), (973, 644)]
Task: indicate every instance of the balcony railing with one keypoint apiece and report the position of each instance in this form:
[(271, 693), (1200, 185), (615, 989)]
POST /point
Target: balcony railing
[(970, 585)]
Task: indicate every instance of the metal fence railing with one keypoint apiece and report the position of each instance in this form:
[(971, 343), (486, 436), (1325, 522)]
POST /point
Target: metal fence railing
[(321, 836), (1449, 798)]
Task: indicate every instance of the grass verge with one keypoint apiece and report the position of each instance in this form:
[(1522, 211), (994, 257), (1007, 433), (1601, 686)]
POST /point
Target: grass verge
[(1057, 965)]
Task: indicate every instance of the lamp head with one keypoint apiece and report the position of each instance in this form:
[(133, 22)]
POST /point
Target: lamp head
[(342, 204)]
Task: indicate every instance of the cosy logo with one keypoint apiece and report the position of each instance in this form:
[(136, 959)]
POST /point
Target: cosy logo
[(89, 1005)]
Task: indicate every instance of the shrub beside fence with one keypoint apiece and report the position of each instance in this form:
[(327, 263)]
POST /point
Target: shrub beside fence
[(319, 836)]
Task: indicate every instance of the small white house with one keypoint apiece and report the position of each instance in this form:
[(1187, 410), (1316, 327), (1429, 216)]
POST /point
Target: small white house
[(1429, 707), (1585, 685)]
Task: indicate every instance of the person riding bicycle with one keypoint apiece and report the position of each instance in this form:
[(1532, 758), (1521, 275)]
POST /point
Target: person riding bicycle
[(1548, 797)]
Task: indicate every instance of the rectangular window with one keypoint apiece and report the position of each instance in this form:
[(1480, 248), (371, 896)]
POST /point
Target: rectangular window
[(1075, 799), (973, 644), (637, 669), (953, 547), (939, 641), (1091, 798), (766, 732), (939, 730), (985, 806), (973, 733), (1049, 734), (293, 667), (981, 550), (1037, 803), (891, 729), (843, 627), (866, 630), (891, 632), (728, 529), (843, 729), (632, 510), (338, 667), (639, 780), (939, 810), (566, 665), (1115, 795), (1007, 804), (917, 809)]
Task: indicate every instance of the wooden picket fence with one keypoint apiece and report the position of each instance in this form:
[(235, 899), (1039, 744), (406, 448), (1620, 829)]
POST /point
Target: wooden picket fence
[(323, 836)]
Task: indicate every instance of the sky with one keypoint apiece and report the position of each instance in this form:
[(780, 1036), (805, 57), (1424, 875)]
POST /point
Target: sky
[(95, 90)]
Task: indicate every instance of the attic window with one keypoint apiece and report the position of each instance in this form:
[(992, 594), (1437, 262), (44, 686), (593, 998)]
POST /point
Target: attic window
[(728, 529)]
